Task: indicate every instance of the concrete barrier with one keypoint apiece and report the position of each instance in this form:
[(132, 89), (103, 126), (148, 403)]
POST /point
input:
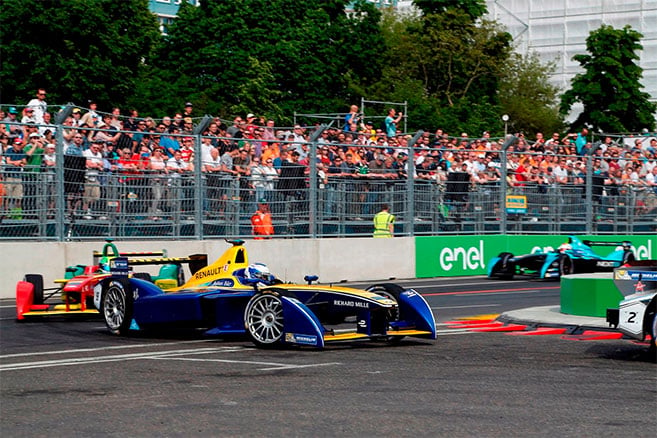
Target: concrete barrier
[(589, 294), (333, 260)]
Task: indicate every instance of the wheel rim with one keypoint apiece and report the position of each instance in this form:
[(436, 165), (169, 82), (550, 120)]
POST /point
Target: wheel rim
[(265, 319), (114, 307)]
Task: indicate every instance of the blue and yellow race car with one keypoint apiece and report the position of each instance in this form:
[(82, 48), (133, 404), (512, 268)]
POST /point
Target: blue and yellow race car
[(575, 256), (232, 296)]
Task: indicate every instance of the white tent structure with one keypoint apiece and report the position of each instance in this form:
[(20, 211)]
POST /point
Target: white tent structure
[(557, 30)]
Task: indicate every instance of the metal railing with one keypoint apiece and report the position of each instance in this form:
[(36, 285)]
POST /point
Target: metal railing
[(63, 203)]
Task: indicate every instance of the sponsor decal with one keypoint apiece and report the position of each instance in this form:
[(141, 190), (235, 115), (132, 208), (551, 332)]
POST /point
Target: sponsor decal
[(208, 273), (119, 266), (223, 282), (605, 264), (345, 303), (466, 258), (409, 293), (362, 323), (295, 338)]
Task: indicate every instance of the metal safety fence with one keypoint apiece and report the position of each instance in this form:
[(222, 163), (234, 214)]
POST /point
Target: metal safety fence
[(66, 201)]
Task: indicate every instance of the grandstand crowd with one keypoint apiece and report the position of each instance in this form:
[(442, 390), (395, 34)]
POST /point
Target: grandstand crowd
[(264, 157)]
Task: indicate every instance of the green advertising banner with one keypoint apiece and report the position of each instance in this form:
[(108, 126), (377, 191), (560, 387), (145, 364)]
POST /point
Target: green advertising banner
[(448, 256)]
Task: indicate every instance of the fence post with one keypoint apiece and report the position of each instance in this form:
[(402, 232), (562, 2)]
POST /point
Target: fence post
[(410, 186), (312, 181), (503, 181)]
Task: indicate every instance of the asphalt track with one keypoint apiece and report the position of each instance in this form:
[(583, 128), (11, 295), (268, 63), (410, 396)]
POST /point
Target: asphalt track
[(72, 378)]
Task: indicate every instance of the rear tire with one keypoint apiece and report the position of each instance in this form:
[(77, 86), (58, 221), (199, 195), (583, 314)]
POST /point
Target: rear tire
[(628, 256), (37, 281), (117, 306)]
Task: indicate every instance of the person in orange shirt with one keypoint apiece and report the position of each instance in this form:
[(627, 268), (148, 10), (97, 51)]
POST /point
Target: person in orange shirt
[(261, 221)]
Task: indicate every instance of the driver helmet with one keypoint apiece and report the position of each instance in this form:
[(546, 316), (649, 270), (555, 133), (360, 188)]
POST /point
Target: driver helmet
[(258, 271), (104, 264), (565, 247)]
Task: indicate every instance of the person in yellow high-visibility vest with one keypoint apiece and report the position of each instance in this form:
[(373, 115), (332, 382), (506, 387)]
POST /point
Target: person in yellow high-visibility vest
[(384, 222)]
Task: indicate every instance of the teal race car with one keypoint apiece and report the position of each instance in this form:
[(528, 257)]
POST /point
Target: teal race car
[(574, 256)]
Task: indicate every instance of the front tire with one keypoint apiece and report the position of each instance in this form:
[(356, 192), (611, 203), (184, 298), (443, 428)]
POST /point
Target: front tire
[(117, 305), (263, 319), (502, 268), (392, 292), (566, 266)]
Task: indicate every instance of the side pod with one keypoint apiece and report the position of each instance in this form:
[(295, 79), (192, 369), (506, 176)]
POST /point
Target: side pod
[(301, 325)]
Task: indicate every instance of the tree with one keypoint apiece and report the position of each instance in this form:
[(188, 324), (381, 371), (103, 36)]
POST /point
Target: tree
[(309, 58), (610, 86), (76, 49), (473, 8), (446, 61), (527, 96)]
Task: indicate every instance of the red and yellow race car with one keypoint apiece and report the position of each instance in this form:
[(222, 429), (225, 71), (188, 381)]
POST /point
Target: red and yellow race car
[(74, 293)]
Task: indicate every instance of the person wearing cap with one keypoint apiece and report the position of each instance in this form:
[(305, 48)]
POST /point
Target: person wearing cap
[(189, 108), (261, 221), (384, 222), (28, 116), (12, 113), (91, 118)]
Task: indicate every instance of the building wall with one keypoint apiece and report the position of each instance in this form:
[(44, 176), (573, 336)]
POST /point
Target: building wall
[(557, 30)]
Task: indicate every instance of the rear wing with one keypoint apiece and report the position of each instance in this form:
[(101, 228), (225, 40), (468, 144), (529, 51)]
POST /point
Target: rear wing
[(97, 255), (624, 244), (195, 261)]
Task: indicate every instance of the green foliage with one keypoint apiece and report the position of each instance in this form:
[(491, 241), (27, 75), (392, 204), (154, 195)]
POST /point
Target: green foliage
[(473, 8), (269, 57), (446, 67), (527, 97), (610, 87), (275, 58), (76, 49)]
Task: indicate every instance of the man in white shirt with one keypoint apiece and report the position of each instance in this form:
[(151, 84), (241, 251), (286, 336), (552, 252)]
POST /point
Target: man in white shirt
[(39, 105)]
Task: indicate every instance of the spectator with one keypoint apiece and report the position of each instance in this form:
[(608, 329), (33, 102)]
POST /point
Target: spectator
[(188, 111), (39, 106), (91, 118), (352, 118), (15, 162), (264, 178), (28, 116), (11, 118), (76, 115), (292, 185), (211, 167), (94, 166), (157, 170), (391, 122)]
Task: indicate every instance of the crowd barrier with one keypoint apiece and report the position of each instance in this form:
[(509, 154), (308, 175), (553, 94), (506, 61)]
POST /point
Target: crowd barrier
[(64, 203)]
